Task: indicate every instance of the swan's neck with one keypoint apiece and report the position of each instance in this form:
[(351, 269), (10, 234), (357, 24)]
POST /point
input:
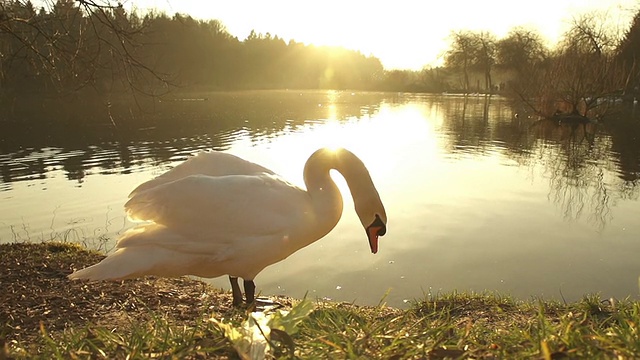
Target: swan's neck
[(325, 195)]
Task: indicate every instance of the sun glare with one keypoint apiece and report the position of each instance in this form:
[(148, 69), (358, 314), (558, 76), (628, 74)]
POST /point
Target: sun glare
[(405, 34), (332, 108)]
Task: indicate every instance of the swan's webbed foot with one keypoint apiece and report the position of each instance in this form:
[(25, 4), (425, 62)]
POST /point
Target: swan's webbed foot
[(249, 290), (265, 304)]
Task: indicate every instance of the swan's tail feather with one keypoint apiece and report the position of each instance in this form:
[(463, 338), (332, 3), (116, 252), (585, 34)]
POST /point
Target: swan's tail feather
[(117, 266), (148, 249), (93, 273)]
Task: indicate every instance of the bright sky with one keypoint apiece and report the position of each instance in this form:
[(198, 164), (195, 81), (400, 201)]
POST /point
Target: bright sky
[(403, 34)]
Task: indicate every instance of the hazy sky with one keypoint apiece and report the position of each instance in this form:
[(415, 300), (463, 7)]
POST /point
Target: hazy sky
[(401, 33)]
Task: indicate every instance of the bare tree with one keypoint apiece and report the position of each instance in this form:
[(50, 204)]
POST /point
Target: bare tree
[(462, 53), (67, 43), (583, 73), (572, 83), (485, 56), (472, 52), (589, 33), (522, 57)]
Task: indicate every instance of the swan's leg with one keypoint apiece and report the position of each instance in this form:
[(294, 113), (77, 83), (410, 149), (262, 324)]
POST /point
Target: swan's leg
[(235, 290), (249, 291)]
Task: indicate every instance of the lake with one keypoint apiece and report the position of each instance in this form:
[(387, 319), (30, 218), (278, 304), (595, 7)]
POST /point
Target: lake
[(479, 194)]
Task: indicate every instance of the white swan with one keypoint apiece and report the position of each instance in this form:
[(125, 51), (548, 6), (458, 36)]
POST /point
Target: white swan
[(216, 214)]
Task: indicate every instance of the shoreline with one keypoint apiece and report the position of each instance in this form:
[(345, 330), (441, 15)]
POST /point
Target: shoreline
[(45, 315), (35, 289)]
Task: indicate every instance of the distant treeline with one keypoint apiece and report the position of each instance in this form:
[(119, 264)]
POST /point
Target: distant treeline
[(75, 45)]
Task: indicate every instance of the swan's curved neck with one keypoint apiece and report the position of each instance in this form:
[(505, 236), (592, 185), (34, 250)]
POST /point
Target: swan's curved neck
[(325, 196)]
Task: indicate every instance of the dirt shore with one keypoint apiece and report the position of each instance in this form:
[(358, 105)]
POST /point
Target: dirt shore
[(34, 289)]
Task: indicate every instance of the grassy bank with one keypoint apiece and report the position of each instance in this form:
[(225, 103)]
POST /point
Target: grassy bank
[(43, 315)]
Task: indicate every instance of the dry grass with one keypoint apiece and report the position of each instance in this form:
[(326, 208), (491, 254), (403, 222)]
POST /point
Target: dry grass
[(35, 290)]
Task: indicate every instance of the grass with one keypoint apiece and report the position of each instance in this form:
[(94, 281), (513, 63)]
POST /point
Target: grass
[(45, 316)]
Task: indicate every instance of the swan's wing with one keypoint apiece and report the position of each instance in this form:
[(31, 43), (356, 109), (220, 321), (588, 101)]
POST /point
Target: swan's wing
[(213, 163), (153, 235), (230, 206)]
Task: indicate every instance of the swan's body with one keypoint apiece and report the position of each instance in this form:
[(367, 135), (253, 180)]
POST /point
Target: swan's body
[(216, 214)]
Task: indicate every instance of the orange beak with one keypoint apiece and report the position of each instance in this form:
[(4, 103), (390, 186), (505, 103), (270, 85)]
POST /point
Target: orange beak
[(372, 233), (376, 229)]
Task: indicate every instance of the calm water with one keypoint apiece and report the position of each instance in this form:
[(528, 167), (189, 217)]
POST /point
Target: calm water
[(477, 198)]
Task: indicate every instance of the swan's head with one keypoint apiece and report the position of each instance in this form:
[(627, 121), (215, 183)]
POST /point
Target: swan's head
[(369, 209), (372, 217)]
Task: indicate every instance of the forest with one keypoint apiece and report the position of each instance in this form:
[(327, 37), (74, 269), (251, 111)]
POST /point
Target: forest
[(85, 47), (77, 44)]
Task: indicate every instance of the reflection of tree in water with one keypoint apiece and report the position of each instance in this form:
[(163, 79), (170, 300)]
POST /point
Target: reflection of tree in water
[(624, 133), (589, 166), (576, 180), (482, 125), (465, 122), (583, 171)]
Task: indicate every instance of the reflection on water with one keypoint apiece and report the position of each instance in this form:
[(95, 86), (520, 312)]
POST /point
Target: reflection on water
[(575, 165), (179, 128), (480, 195)]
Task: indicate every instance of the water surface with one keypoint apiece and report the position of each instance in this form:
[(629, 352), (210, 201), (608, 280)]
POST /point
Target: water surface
[(479, 195)]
